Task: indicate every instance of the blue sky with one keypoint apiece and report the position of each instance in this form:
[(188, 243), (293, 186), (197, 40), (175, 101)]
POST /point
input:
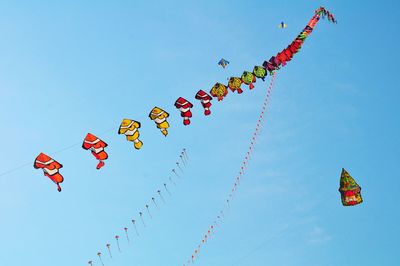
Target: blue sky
[(72, 68)]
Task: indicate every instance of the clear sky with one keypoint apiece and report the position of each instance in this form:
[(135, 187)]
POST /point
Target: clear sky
[(82, 66)]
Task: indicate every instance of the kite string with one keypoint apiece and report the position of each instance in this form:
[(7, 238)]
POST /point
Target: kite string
[(211, 230)]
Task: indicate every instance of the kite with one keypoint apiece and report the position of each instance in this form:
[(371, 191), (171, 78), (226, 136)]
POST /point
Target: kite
[(99, 254), (282, 25), (109, 249), (219, 90), (260, 72), (234, 84), (271, 65), (126, 233), (50, 168), (130, 128), (159, 116), (205, 100), (223, 63), (248, 78), (117, 238), (96, 145), (349, 189), (184, 106)]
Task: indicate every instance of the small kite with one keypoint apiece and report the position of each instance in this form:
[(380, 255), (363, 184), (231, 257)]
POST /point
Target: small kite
[(234, 84), (184, 106), (248, 78), (219, 90), (260, 72), (50, 168), (205, 100), (271, 65), (96, 146), (349, 189), (282, 25), (159, 116), (223, 63), (130, 128)]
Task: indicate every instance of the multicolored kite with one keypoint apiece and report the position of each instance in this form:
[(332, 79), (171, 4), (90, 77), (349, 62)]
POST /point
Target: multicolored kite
[(50, 168), (223, 63), (260, 72), (219, 90), (282, 25), (349, 189), (248, 78), (96, 146), (234, 84)]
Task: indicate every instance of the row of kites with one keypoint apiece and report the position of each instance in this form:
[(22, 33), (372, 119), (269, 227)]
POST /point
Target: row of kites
[(130, 128)]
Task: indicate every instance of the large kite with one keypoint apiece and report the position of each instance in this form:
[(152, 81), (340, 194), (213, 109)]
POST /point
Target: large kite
[(349, 190)]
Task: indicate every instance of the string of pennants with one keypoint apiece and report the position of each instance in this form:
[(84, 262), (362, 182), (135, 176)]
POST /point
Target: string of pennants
[(146, 213)]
